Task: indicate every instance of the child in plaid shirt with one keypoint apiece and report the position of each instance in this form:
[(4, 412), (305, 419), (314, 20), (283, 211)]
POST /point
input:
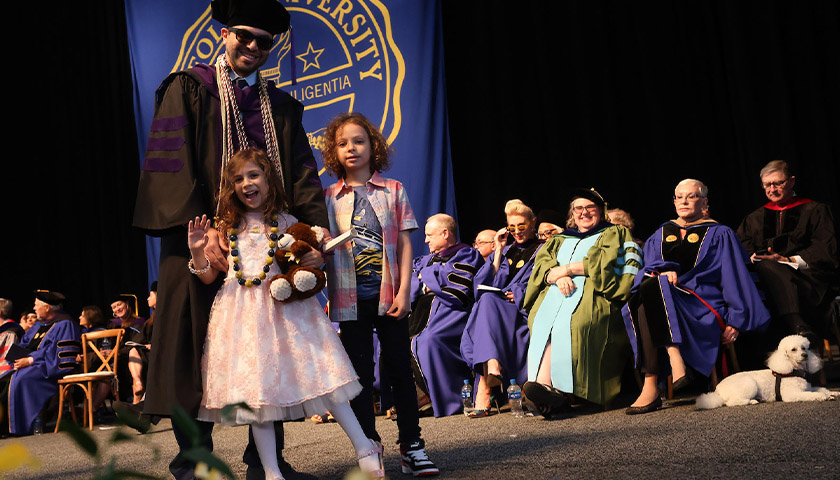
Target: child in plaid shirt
[(369, 278)]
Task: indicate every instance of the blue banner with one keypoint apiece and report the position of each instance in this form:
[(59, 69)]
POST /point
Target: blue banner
[(383, 58)]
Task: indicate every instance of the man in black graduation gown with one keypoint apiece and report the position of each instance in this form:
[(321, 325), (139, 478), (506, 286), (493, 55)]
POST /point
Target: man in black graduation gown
[(186, 147), (793, 246)]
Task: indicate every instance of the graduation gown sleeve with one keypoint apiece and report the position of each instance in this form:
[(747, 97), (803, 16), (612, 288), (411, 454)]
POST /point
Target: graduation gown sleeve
[(452, 281)]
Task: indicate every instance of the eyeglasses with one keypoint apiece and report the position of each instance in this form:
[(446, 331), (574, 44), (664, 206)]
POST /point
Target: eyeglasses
[(544, 235), (482, 242), (517, 228), (779, 184), (691, 197), (591, 208), (245, 38)]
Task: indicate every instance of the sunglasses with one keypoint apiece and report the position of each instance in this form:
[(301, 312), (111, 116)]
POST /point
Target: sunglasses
[(517, 228), (245, 38)]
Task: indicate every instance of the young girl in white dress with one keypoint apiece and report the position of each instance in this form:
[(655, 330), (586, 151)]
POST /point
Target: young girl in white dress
[(283, 360)]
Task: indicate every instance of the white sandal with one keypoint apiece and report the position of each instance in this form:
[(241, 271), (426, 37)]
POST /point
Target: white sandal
[(375, 450)]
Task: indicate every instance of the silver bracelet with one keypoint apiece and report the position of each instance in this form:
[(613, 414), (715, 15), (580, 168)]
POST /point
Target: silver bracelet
[(199, 272)]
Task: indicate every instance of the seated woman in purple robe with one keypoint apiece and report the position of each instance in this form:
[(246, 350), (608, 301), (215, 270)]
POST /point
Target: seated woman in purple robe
[(495, 340), (694, 294)]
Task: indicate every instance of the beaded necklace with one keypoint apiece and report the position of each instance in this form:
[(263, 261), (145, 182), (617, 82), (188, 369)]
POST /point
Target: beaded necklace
[(233, 235)]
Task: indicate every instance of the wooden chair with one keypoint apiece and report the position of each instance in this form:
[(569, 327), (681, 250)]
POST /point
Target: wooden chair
[(107, 371)]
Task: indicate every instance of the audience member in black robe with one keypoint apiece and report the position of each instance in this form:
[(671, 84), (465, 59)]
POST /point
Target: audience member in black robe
[(793, 245)]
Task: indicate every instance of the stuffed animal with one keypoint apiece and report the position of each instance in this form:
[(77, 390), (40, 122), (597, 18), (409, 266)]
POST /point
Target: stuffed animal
[(297, 282)]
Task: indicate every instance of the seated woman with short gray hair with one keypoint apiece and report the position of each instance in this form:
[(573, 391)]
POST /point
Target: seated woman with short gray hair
[(694, 294)]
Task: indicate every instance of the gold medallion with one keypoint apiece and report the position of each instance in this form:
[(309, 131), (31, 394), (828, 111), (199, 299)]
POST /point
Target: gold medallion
[(671, 238), (693, 238), (520, 263)]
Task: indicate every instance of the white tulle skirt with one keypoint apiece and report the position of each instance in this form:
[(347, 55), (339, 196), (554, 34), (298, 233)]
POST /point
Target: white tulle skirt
[(284, 360)]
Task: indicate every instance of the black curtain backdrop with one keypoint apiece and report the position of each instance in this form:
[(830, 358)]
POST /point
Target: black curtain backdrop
[(79, 174), (631, 97), (627, 97)]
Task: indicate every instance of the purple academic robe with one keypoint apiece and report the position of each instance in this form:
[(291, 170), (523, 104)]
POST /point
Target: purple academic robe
[(31, 387), (497, 328), (720, 277), (437, 347)]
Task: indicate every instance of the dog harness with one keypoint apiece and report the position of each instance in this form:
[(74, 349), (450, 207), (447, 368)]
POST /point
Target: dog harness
[(780, 376)]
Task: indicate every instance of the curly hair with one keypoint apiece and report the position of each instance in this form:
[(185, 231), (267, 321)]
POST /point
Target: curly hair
[(231, 210), (380, 151)]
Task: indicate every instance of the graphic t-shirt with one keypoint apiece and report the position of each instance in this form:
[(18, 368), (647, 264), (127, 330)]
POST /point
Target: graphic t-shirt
[(367, 246)]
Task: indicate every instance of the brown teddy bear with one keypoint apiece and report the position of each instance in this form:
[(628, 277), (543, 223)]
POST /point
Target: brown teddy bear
[(297, 282)]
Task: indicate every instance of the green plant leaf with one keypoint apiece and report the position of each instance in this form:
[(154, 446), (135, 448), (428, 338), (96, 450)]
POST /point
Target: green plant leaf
[(201, 454), (121, 436), (186, 424), (81, 437)]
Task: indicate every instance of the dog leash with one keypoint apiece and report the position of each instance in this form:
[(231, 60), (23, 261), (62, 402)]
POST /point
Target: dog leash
[(723, 365)]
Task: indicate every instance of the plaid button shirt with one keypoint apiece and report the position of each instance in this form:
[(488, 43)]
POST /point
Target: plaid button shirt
[(390, 203)]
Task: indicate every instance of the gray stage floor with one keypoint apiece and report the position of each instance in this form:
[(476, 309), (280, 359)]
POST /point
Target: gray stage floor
[(761, 441)]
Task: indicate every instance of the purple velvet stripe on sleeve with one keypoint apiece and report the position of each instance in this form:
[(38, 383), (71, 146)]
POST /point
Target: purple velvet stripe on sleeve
[(168, 144), (172, 165), (168, 124)]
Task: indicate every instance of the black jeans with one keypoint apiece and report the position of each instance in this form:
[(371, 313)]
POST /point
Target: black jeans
[(357, 338)]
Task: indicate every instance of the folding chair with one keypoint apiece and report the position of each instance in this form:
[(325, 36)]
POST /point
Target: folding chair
[(107, 371)]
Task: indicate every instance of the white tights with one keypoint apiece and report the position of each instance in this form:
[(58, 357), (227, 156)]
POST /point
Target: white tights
[(267, 446)]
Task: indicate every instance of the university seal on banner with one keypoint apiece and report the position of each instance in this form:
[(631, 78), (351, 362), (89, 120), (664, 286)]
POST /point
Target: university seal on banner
[(345, 59)]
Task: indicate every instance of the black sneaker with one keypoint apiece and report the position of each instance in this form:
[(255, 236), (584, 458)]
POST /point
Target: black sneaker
[(415, 461)]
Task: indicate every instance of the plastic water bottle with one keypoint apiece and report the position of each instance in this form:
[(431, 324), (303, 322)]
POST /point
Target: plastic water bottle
[(515, 399), (467, 397), (37, 427)]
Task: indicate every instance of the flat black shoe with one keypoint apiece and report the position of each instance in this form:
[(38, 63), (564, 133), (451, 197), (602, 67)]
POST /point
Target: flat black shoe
[(650, 407), (548, 400), (682, 382)]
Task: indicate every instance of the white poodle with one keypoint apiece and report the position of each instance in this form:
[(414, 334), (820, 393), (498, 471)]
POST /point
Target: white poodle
[(791, 358)]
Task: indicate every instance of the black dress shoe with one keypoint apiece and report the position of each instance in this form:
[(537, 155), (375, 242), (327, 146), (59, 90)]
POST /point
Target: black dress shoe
[(682, 382), (132, 415), (650, 407), (548, 400)]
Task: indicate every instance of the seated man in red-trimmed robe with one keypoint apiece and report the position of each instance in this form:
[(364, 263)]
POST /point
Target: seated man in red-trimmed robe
[(792, 243)]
